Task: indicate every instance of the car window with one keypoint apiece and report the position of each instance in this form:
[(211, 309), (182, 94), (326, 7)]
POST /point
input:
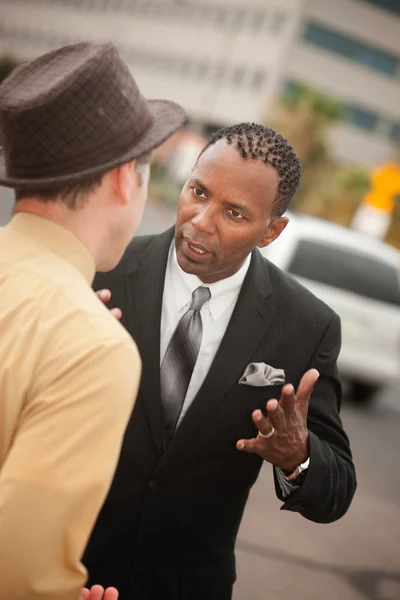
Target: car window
[(347, 270)]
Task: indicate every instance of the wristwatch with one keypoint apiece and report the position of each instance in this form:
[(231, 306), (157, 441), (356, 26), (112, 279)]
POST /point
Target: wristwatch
[(297, 476)]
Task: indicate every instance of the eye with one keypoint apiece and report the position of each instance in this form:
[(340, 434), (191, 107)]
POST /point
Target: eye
[(198, 192), (234, 214)]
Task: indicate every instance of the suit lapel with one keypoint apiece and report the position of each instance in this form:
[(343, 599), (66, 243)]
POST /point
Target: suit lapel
[(250, 320), (144, 294)]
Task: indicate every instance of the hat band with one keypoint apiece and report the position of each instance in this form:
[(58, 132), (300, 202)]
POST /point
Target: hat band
[(109, 150)]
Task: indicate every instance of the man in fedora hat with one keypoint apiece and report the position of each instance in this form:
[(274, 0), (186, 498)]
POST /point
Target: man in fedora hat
[(76, 138)]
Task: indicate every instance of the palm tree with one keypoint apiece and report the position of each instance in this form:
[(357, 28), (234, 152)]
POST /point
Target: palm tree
[(304, 116)]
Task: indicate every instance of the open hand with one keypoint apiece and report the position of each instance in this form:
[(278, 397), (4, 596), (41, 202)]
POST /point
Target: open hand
[(287, 447), (105, 296), (98, 593)]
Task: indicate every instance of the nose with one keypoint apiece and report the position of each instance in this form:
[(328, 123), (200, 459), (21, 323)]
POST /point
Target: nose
[(204, 220)]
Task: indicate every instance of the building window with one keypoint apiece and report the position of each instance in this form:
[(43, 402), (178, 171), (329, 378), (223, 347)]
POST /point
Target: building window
[(238, 76), (202, 69), (392, 6), (350, 48), (236, 18), (394, 132), (277, 21), (219, 72), (219, 16), (257, 21), (290, 89), (258, 79), (360, 117)]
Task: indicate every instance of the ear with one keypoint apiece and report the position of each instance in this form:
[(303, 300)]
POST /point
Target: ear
[(127, 181), (274, 230)]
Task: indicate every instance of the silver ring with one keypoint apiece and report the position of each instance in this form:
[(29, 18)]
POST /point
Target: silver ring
[(270, 434)]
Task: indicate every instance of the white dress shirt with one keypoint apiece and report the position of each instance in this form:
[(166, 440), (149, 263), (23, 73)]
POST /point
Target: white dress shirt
[(215, 315)]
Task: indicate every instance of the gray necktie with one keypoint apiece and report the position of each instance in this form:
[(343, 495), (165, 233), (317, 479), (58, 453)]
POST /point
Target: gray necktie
[(179, 361)]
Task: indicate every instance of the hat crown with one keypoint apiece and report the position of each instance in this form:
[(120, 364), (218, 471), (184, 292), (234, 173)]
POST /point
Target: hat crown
[(70, 110)]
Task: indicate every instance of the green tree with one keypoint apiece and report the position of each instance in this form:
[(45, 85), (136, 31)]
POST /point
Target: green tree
[(328, 190), (7, 64), (305, 116)]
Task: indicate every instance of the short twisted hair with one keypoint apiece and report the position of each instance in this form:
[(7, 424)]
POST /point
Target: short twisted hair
[(257, 142)]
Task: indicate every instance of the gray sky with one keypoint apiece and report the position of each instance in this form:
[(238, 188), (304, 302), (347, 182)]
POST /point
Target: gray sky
[(6, 204)]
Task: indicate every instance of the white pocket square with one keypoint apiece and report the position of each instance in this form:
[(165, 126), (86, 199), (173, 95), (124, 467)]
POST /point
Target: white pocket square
[(260, 374)]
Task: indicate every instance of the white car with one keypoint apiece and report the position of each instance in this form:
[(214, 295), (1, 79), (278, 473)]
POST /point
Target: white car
[(359, 278)]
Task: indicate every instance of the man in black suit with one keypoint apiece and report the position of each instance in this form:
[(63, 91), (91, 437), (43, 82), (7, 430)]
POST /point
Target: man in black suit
[(239, 367)]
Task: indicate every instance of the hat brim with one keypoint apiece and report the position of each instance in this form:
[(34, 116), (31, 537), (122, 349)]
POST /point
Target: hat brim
[(168, 117)]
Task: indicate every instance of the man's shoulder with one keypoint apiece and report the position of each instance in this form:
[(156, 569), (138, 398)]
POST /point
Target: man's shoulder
[(290, 294)]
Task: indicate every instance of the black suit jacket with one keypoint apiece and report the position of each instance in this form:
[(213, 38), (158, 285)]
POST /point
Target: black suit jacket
[(168, 527)]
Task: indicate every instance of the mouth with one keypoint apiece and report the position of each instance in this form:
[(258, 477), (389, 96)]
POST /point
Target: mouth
[(193, 251)]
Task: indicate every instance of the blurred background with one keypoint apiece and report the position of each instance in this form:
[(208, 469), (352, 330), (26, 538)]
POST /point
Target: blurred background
[(326, 74)]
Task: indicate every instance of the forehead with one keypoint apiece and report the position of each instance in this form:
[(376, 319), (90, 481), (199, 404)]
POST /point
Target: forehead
[(223, 170)]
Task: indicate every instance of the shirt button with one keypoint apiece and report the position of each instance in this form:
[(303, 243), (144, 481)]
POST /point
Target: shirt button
[(153, 485)]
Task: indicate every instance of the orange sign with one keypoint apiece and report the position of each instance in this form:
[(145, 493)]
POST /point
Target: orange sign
[(385, 187)]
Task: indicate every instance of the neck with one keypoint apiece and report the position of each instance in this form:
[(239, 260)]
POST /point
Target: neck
[(79, 222)]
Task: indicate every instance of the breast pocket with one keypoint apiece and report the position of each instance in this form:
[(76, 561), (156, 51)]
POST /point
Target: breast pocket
[(243, 400)]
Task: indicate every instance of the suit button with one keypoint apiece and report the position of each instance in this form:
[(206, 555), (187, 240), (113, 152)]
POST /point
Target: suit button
[(153, 485)]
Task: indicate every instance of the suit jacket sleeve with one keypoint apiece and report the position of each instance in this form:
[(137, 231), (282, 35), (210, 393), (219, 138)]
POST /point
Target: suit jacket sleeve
[(330, 482)]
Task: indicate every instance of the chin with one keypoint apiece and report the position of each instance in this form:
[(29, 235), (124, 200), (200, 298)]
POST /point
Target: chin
[(192, 268), (109, 264), (185, 263)]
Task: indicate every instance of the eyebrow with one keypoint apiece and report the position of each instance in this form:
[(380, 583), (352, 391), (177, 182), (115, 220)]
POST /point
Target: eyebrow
[(232, 205), (202, 186), (238, 207)]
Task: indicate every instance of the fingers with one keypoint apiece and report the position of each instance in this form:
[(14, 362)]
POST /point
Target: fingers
[(111, 594), (97, 592), (104, 295), (274, 420), (117, 312), (305, 389), (288, 400), (265, 425), (251, 446)]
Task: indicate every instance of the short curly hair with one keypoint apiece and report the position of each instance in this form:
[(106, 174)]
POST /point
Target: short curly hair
[(257, 142)]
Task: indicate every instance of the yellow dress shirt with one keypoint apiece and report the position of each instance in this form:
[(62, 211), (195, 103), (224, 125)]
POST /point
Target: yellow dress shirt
[(69, 375)]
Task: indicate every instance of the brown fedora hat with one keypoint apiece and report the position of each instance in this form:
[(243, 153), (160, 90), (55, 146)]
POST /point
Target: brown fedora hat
[(76, 112)]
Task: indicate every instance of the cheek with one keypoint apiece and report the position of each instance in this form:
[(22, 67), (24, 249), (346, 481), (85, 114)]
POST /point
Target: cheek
[(186, 210), (235, 242)]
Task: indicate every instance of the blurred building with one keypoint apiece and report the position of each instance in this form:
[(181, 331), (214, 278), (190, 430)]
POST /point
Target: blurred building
[(226, 60)]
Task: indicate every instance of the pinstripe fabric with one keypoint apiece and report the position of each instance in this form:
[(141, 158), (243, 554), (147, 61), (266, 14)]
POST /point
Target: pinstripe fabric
[(169, 524), (179, 360)]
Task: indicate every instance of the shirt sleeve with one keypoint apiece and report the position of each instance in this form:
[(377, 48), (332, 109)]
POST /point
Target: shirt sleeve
[(60, 466), (286, 487)]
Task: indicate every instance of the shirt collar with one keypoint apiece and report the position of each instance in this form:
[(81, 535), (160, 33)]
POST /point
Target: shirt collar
[(57, 239), (223, 292)]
